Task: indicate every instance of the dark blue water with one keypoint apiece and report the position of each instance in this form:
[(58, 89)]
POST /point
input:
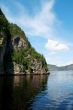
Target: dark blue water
[(37, 92), (58, 94)]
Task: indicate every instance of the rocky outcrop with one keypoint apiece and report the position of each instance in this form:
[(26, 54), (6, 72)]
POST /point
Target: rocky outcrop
[(18, 68), (36, 67), (17, 56), (19, 43)]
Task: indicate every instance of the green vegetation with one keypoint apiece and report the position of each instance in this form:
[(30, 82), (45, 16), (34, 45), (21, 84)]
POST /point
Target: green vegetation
[(26, 56), (16, 31)]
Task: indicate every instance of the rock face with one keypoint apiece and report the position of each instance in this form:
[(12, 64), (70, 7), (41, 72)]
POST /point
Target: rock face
[(19, 42), (16, 53), (3, 42)]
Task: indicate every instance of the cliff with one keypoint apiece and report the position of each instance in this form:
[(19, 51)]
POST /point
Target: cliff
[(16, 53)]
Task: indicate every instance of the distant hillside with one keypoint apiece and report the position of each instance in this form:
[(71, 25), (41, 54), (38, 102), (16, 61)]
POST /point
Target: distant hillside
[(62, 68), (53, 67)]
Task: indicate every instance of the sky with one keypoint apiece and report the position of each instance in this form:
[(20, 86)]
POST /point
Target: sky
[(48, 24)]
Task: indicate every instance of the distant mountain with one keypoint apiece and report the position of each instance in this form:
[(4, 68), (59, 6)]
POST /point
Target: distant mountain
[(53, 67), (62, 68)]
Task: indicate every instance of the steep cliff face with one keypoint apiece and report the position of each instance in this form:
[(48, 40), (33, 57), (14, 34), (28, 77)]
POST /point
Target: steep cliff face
[(16, 53), (3, 40), (2, 50)]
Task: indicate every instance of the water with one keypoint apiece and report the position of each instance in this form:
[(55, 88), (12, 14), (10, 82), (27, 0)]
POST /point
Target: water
[(37, 92)]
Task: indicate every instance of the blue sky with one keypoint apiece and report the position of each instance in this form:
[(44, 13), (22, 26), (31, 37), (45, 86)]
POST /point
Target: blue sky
[(48, 24)]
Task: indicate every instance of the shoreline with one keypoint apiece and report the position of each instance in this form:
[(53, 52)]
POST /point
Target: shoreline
[(23, 74)]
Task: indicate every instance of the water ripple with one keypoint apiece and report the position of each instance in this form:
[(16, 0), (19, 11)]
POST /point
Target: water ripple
[(58, 94)]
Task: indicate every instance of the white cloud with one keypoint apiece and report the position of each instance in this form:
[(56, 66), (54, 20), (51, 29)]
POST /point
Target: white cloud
[(70, 61), (54, 59), (54, 45), (40, 24)]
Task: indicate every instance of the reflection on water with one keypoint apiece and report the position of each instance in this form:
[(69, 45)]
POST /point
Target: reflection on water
[(18, 92), (37, 92)]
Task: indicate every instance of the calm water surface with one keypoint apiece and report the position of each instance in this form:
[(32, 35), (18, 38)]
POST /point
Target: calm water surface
[(38, 92)]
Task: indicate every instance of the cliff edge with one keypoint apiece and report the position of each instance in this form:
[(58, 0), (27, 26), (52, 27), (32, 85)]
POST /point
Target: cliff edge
[(16, 53)]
